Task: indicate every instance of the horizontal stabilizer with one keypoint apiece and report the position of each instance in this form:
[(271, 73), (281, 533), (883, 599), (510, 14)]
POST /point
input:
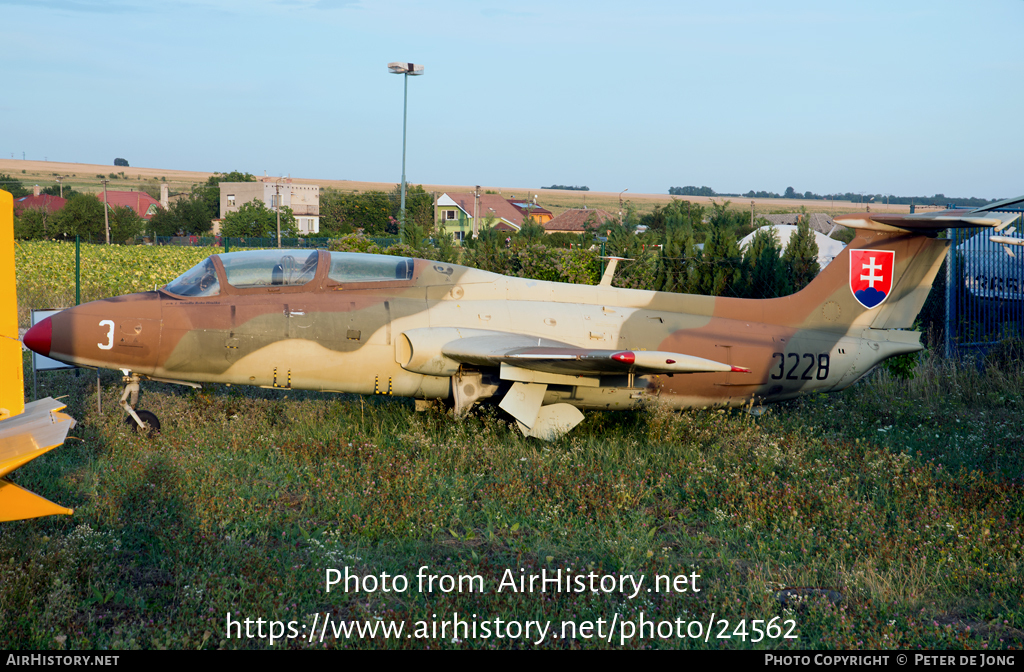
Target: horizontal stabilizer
[(17, 503), (929, 221), (924, 222), (23, 438)]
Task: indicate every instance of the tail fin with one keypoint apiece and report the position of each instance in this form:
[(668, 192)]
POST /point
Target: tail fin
[(26, 430), (881, 280)]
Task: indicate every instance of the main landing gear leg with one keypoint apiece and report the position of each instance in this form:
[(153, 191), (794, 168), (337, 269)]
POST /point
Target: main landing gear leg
[(144, 420)]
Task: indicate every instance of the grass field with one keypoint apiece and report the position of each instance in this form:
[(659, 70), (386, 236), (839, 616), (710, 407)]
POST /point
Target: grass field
[(886, 516)]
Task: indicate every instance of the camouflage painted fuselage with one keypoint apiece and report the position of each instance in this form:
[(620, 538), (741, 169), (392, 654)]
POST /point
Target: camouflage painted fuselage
[(394, 336)]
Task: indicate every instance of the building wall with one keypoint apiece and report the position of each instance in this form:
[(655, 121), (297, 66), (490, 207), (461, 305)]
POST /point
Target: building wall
[(303, 199), (460, 229)]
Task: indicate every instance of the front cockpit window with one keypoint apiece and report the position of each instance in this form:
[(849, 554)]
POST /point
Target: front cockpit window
[(269, 268), (348, 267), (200, 280)]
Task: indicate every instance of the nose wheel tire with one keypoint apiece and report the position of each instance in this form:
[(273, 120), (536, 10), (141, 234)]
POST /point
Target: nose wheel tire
[(149, 419)]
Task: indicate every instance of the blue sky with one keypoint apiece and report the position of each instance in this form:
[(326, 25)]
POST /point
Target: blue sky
[(910, 97)]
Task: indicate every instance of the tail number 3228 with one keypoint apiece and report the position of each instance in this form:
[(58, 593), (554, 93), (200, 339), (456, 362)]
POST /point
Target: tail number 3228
[(799, 366)]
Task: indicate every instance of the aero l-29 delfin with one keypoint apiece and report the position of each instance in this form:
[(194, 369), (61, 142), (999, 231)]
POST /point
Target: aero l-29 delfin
[(545, 351)]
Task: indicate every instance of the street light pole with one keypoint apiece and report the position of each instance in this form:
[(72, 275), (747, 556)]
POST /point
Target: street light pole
[(405, 69)]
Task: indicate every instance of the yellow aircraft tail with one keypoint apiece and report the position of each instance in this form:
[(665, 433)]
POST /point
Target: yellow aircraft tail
[(26, 430), (23, 438)]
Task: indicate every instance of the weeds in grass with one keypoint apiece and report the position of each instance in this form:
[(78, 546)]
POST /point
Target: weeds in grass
[(889, 515)]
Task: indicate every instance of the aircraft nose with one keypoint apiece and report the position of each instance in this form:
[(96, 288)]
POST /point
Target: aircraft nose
[(37, 339)]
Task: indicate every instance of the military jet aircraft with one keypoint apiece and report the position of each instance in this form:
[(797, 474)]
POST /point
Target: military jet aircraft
[(545, 351)]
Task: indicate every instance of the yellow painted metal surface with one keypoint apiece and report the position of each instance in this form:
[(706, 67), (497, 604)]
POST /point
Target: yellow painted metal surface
[(12, 384), (19, 504), (26, 430)]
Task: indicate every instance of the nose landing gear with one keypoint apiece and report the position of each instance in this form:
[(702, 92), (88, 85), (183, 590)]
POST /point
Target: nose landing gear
[(137, 420)]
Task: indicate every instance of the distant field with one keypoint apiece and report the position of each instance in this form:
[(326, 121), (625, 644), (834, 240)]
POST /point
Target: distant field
[(84, 178)]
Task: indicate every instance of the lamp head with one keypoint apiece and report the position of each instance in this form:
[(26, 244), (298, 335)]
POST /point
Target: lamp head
[(406, 68)]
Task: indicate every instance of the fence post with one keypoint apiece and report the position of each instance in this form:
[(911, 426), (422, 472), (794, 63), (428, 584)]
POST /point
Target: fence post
[(78, 270), (950, 303)]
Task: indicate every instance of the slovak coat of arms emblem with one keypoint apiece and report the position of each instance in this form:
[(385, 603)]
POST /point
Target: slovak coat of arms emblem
[(871, 275)]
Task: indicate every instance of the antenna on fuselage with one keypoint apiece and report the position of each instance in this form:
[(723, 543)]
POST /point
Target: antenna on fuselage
[(609, 271)]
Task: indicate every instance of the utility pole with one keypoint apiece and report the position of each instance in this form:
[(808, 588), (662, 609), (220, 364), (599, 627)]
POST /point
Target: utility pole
[(476, 209), (106, 210), (60, 181)]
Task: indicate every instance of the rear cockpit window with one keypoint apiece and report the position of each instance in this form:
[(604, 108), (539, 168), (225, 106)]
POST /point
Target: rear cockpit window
[(348, 267), (269, 268), (200, 280)]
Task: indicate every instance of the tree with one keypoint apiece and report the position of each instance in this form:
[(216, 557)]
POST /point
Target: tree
[(447, 250), (188, 215), (419, 205), (767, 275), (721, 272), (801, 256), (125, 224), (33, 224), (121, 162), (332, 213), (691, 191), (14, 186), (678, 258), (81, 216), (530, 233), (342, 213), (487, 251), (683, 212), (55, 190), (256, 220)]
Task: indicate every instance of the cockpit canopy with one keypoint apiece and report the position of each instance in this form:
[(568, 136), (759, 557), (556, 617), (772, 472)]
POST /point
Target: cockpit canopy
[(200, 280), (269, 268), (357, 267), (284, 268)]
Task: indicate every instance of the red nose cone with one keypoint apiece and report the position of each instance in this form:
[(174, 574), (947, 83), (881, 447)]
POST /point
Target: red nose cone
[(37, 339)]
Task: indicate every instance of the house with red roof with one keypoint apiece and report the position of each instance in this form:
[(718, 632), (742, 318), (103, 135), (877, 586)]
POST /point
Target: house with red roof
[(465, 214), (577, 220), (47, 202), (457, 213), (144, 205), (527, 208)]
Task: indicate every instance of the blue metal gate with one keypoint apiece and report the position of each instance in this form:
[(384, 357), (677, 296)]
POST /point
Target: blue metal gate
[(984, 291)]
